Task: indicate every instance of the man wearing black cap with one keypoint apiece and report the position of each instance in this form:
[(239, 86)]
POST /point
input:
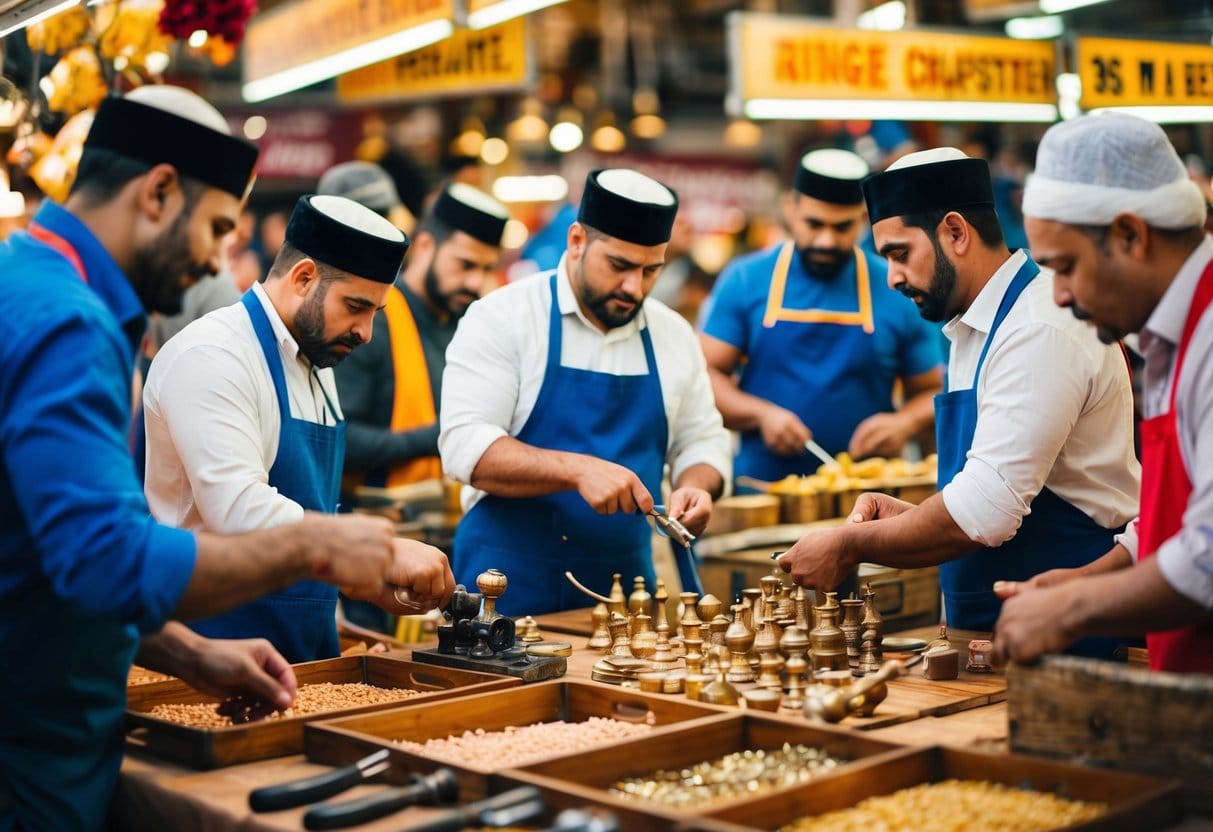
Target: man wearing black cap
[(232, 447), (804, 341), (391, 389), (565, 396), (83, 568), (1035, 436)]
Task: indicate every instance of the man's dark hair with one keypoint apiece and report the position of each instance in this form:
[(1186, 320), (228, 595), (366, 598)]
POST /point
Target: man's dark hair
[(289, 255), (436, 228), (102, 174), (983, 220)]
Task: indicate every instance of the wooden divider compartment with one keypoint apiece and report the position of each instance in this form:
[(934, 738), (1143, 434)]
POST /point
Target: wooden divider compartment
[(212, 747), (342, 741), (591, 775), (1134, 802)]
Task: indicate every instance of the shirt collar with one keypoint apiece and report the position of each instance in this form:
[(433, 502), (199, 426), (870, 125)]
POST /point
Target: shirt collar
[(984, 308), (104, 275), (1168, 318), (567, 304), (286, 341)]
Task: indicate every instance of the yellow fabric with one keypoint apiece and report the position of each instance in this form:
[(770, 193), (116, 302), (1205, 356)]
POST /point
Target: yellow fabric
[(413, 403), (775, 310)]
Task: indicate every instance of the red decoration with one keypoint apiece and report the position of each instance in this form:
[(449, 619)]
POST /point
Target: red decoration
[(219, 18)]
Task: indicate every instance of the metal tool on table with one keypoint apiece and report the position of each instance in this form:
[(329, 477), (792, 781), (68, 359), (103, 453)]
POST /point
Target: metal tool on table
[(435, 789), (681, 540), (478, 637), (318, 787), (516, 806), (861, 697), (819, 452)]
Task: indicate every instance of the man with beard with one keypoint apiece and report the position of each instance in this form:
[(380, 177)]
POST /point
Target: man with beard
[(84, 570), (244, 428), (566, 393), (1035, 433), (803, 341), (1111, 210), (390, 391)]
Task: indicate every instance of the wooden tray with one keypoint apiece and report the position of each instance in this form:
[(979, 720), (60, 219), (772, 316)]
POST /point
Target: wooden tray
[(1134, 802), (210, 747), (342, 741), (591, 775)]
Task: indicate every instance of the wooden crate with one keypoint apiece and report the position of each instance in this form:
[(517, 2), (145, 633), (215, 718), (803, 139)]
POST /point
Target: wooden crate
[(1117, 716), (1134, 802), (342, 741), (592, 774), (210, 747)]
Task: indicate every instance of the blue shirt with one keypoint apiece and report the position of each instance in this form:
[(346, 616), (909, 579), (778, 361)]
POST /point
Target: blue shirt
[(82, 563), (901, 345)]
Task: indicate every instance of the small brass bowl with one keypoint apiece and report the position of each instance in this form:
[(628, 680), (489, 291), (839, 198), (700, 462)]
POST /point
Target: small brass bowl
[(762, 699)]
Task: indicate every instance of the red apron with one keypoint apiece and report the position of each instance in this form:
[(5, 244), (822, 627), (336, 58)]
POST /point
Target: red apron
[(1165, 490)]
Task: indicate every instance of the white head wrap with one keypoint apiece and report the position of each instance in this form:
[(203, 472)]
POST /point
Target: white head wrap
[(1095, 167)]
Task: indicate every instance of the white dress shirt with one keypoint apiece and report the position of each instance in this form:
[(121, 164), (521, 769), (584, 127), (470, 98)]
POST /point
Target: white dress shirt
[(213, 422), (496, 363), (1185, 559), (1054, 408)]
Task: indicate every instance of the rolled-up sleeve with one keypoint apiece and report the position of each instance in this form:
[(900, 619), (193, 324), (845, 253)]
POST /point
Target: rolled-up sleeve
[(479, 388), (66, 400), (1027, 407)]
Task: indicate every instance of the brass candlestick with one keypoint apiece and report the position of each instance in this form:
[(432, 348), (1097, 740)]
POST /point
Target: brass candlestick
[(827, 643), (640, 601), (795, 643), (872, 616), (769, 660), (739, 638), (600, 639), (852, 612), (661, 600)]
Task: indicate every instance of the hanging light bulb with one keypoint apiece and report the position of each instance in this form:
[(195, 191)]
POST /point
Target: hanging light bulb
[(742, 132), (566, 134), (648, 126), (529, 127), (470, 139), (494, 151), (607, 138)]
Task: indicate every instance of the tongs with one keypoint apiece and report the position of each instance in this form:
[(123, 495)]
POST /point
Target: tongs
[(670, 527)]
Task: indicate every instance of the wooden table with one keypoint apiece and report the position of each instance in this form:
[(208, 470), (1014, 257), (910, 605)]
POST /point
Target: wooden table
[(154, 794)]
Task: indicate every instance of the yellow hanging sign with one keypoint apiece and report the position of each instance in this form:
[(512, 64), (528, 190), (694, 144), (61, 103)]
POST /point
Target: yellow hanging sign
[(467, 63), (1135, 73), (797, 58), (307, 30)]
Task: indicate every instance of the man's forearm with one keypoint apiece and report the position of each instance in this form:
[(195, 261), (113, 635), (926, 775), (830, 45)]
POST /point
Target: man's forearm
[(1128, 601), (920, 411), (740, 411), (234, 569), (509, 468), (170, 650), (702, 476), (923, 536)]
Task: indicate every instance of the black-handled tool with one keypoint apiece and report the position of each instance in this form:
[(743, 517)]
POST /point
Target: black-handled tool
[(425, 790), (318, 787), (480, 813)]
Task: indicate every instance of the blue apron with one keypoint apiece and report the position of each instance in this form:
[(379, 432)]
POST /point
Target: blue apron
[(300, 620), (818, 363), (535, 540), (1055, 534)]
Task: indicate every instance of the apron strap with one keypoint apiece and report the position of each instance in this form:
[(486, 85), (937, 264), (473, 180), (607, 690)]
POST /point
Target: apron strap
[(775, 310)]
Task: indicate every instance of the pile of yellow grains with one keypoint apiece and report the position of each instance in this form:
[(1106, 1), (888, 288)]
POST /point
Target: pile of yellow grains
[(954, 806)]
